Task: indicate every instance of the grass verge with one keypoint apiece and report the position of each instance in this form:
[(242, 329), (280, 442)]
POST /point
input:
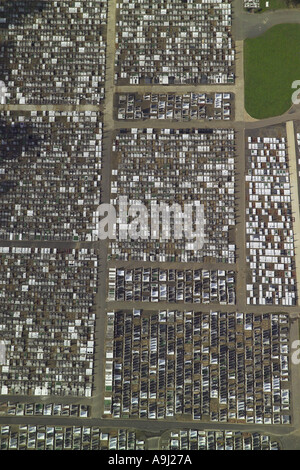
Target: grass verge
[(272, 64)]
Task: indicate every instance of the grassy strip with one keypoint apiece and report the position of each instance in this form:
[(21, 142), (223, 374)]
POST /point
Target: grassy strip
[(272, 63)]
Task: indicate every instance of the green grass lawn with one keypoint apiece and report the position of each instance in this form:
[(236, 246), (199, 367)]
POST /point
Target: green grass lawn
[(273, 5), (271, 63)]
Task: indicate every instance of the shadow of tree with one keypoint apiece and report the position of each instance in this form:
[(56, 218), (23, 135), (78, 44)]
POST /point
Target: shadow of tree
[(14, 137), (13, 11), (5, 187)]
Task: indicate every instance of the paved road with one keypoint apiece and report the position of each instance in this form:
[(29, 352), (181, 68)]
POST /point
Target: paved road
[(99, 371), (170, 265), (290, 131), (291, 114), (150, 426), (197, 88), (292, 311), (250, 25)]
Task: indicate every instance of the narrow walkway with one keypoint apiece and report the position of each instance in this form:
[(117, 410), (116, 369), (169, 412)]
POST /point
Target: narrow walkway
[(181, 89), (294, 193), (108, 123)]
